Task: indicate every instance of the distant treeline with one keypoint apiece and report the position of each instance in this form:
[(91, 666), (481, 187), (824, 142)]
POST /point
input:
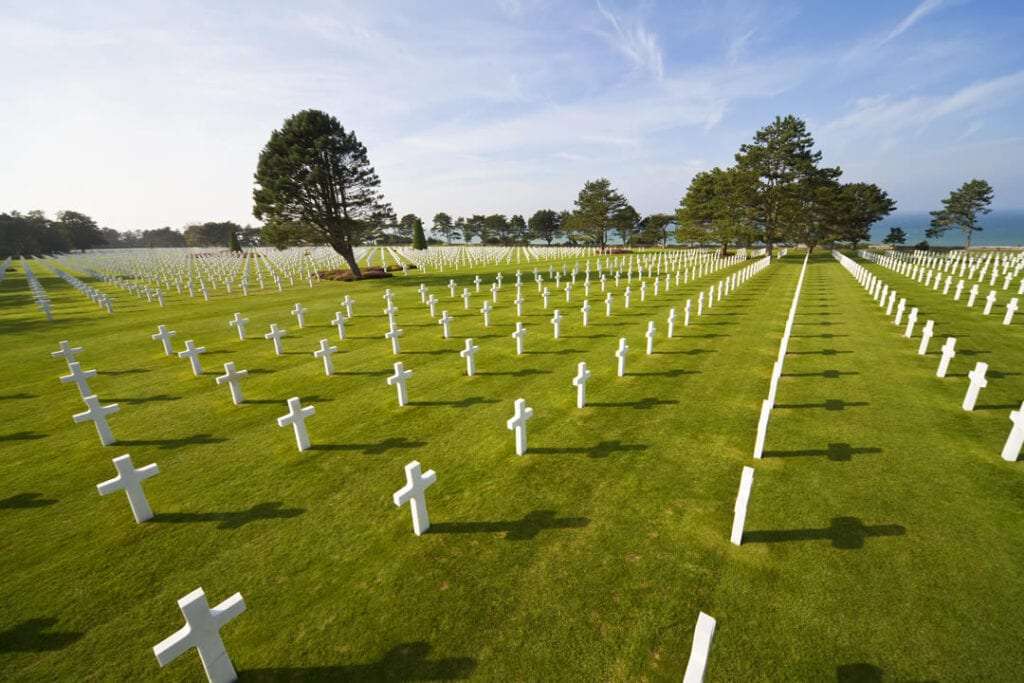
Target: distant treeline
[(33, 234)]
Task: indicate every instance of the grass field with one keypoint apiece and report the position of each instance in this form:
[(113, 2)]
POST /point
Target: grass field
[(885, 538)]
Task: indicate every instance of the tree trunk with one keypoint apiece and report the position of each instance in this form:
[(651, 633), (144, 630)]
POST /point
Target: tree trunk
[(350, 258), (968, 241)]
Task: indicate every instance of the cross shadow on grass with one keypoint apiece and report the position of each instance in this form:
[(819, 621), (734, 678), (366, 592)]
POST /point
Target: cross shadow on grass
[(405, 662), (16, 397), (525, 372), (22, 501), (827, 374), (845, 533), (392, 444), (145, 399), (461, 403), (559, 352), (523, 529), (830, 404), (998, 406), (642, 404), (133, 371), (861, 672), (600, 450), (284, 401), (22, 436), (688, 352), (34, 635), (820, 352), (837, 452), (194, 440), (231, 519)]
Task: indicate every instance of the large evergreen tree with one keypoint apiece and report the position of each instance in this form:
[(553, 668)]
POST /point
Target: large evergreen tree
[(314, 183), (600, 208), (80, 230), (443, 226), (546, 225), (961, 210)]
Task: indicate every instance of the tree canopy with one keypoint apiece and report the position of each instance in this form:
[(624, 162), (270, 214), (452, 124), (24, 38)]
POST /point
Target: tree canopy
[(600, 208), (546, 225), (962, 209), (314, 183)]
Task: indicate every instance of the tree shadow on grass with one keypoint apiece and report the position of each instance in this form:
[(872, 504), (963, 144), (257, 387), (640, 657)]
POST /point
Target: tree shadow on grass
[(34, 635), (23, 501), (830, 404), (393, 443), (825, 335), (677, 372), (363, 373), (523, 529), (861, 672), (600, 450), (461, 403), (845, 533), (229, 519), (837, 452), (642, 404), (22, 436), (405, 662), (194, 440)]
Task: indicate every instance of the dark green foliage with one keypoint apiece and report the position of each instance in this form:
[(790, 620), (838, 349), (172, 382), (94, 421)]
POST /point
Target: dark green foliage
[(896, 236), (314, 182), (600, 208), (545, 225), (211, 234), (419, 240), (961, 210), (443, 226)]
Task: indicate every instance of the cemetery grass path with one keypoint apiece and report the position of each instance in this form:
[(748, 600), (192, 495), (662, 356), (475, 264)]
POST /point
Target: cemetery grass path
[(587, 559)]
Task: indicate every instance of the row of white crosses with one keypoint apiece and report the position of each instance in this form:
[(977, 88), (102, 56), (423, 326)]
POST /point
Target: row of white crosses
[(977, 379), (42, 301), (925, 275)]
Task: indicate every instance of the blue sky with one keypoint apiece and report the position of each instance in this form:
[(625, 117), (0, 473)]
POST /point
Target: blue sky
[(152, 114)]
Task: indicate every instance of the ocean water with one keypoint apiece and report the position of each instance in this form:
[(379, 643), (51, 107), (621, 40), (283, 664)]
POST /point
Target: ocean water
[(999, 229)]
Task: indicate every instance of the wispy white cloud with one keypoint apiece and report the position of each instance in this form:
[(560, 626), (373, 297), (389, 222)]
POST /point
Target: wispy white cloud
[(631, 38), (925, 8)]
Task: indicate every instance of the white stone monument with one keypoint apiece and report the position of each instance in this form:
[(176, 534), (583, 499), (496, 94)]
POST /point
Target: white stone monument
[(1015, 439), (519, 335), (324, 353), (130, 480), (239, 323), (192, 353), (580, 382), (948, 354), (469, 353), (275, 335), (80, 378), (620, 354), (978, 381), (742, 500), (164, 336), (703, 634)]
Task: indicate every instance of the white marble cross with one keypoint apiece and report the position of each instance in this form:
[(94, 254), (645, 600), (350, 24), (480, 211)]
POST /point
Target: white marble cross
[(393, 334), (620, 353), (686, 314), (339, 322), (296, 417), (388, 296), (900, 308), (519, 335), (300, 315), (469, 353), (1015, 439), (80, 378), (926, 336), (68, 352), (649, 335), (451, 287), (517, 423), (399, 380), (973, 295), (700, 304), (568, 292), (978, 381), (671, 322), (740, 510), (423, 292), (324, 353), (762, 423), (239, 323), (98, 414), (486, 311), (958, 291), (164, 335), (608, 305), (202, 632), (414, 493), (192, 352), (700, 649), (1011, 309), (432, 305), (465, 298), (626, 297), (347, 304), (233, 378), (911, 321), (556, 323), (519, 301), (580, 382), (130, 480), (445, 322), (585, 312), (948, 353), (990, 301), (494, 292), (643, 291), (477, 281), (275, 334), (546, 296)]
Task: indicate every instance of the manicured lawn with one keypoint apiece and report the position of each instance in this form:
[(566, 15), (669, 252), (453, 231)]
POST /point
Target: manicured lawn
[(587, 559)]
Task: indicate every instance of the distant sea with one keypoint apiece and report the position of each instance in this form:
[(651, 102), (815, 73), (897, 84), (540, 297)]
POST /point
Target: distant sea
[(999, 229)]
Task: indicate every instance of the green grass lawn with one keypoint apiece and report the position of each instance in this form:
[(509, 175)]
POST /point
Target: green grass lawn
[(884, 538)]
